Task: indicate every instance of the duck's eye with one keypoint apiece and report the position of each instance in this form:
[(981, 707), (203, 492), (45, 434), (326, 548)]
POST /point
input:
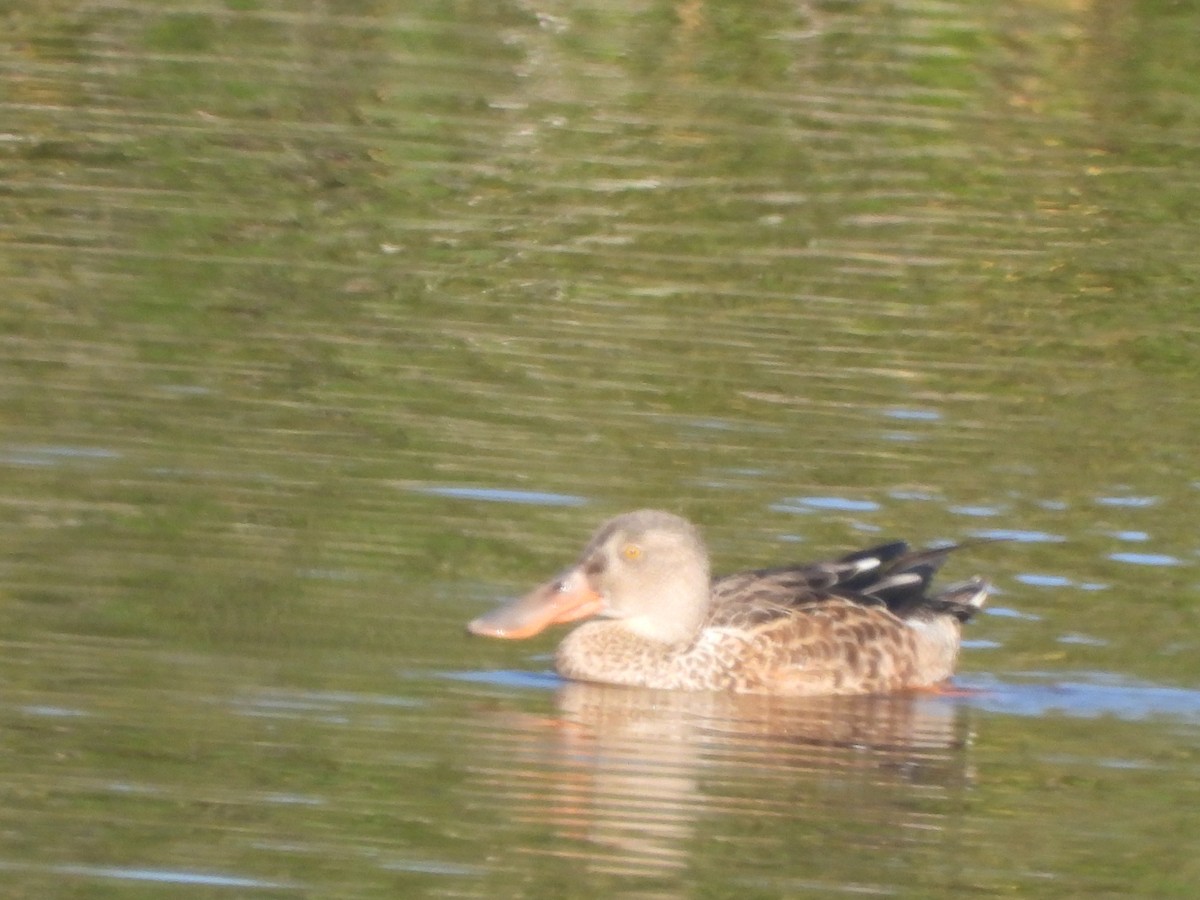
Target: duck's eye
[(631, 552)]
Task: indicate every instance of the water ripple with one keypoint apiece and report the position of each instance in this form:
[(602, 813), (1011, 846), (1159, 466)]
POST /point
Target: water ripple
[(501, 495), (1146, 559), (162, 876), (1086, 695)]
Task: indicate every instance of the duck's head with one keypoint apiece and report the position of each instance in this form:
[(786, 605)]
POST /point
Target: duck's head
[(648, 569)]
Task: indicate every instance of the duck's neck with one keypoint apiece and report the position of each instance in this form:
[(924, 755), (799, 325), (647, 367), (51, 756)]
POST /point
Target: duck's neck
[(680, 607)]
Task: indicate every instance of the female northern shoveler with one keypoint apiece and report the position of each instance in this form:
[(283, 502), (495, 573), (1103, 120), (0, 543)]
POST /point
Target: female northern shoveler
[(861, 624)]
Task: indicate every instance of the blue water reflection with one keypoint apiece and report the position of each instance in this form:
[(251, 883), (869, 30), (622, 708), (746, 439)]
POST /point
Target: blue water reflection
[(501, 495)]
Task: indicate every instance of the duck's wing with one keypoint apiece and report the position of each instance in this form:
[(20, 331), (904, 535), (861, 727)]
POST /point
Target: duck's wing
[(890, 576)]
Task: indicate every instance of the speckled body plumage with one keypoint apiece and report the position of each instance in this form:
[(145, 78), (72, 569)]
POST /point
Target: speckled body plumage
[(864, 623), (762, 638)]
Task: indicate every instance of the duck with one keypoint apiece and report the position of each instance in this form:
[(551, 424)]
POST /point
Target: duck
[(863, 623)]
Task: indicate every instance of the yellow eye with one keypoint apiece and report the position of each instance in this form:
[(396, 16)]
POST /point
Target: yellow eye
[(631, 552)]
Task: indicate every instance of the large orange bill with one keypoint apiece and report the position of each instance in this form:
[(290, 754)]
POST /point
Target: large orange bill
[(562, 600)]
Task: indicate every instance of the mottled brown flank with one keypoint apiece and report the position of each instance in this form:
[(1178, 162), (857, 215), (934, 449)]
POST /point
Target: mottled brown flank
[(836, 648)]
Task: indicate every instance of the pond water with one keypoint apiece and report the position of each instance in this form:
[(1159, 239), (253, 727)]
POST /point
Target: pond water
[(325, 327)]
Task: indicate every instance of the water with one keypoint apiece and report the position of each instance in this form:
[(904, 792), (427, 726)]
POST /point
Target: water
[(325, 329)]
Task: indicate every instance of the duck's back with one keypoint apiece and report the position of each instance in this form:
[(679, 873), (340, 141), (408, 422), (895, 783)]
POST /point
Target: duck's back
[(863, 623), (890, 576)]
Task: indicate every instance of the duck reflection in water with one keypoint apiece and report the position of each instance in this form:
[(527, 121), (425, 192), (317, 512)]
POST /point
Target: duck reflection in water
[(649, 783)]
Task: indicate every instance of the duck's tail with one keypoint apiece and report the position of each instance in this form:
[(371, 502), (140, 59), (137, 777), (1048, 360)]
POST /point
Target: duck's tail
[(961, 600), (902, 582)]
